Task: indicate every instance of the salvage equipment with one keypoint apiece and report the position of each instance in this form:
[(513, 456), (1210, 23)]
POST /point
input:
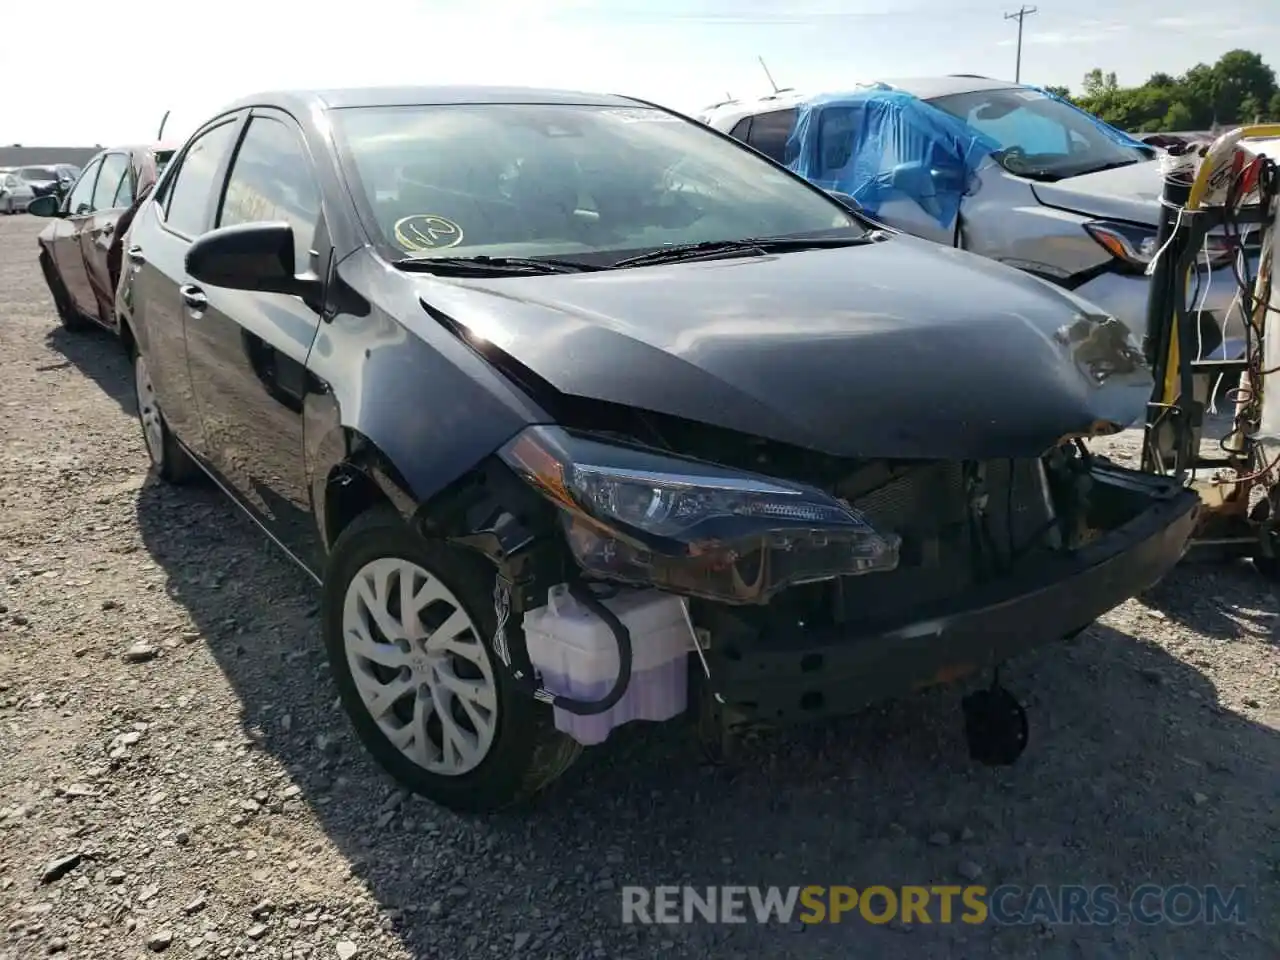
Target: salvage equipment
[(1228, 192)]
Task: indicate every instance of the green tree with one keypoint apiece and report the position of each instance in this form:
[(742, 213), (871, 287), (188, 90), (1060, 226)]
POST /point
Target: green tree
[(1242, 83), (1178, 117), (1064, 92), (1097, 84), (1236, 89)]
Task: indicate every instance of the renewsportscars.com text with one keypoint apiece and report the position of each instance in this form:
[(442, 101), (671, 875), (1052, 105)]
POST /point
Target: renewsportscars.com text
[(1147, 904)]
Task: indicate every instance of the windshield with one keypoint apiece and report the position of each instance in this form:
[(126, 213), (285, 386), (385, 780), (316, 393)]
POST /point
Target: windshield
[(1039, 136), (565, 180), (38, 173)]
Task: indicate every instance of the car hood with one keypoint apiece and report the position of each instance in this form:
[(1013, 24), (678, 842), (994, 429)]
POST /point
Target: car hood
[(898, 349), (1126, 193)]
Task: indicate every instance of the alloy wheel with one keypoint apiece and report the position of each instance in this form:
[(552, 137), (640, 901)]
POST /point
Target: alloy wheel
[(149, 411), (420, 666)]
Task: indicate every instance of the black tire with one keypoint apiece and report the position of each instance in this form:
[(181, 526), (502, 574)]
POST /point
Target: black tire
[(70, 318), (1269, 567), (526, 754), (169, 460)]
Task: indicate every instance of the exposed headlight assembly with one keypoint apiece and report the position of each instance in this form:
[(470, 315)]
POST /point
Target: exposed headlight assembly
[(695, 528), (1134, 246)]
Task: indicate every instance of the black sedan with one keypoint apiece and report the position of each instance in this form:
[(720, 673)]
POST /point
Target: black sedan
[(580, 412)]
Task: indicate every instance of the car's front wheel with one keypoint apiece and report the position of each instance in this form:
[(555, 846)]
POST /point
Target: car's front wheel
[(407, 628), (169, 460)]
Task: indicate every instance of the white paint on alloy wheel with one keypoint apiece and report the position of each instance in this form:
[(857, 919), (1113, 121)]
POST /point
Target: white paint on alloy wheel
[(430, 689), (148, 411)]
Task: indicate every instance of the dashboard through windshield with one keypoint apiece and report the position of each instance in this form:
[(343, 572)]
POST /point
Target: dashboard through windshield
[(1040, 137), (565, 180)]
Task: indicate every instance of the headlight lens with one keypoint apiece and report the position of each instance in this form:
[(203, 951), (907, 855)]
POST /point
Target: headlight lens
[(1135, 245), (695, 528)]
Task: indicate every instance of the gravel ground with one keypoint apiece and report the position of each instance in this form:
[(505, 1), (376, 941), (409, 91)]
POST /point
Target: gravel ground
[(167, 723)]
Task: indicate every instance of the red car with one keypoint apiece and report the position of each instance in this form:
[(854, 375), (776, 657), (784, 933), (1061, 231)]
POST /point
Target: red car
[(80, 251)]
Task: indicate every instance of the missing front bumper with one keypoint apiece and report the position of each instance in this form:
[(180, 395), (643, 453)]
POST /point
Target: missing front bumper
[(802, 673)]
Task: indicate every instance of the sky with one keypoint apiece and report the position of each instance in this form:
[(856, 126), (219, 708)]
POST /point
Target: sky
[(190, 59)]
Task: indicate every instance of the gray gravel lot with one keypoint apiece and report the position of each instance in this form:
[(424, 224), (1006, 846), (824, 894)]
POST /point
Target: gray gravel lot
[(213, 803)]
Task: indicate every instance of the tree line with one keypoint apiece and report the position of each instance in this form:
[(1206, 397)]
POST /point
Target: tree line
[(1239, 88)]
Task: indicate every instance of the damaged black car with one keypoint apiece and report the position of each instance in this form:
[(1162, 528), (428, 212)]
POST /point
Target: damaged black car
[(582, 413)]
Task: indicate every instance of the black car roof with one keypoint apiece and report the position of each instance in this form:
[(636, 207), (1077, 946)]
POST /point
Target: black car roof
[(413, 96)]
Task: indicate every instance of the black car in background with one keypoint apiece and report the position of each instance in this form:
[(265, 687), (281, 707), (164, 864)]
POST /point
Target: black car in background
[(457, 350), (50, 179)]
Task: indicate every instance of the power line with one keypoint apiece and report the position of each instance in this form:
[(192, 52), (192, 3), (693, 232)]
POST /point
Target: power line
[(1020, 15)]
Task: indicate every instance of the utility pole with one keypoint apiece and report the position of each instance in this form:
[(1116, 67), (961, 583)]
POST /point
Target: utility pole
[(1020, 15)]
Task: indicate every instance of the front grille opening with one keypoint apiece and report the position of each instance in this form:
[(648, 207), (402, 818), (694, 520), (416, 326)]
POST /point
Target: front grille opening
[(928, 506)]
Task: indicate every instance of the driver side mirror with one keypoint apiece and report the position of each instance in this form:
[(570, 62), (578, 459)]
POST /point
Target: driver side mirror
[(249, 256), (914, 179), (48, 205), (917, 180)]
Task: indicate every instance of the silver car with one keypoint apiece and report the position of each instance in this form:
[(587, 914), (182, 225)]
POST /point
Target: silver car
[(15, 193), (1065, 197)]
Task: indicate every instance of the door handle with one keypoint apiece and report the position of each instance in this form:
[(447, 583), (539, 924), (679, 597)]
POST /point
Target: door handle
[(193, 296), (135, 254)]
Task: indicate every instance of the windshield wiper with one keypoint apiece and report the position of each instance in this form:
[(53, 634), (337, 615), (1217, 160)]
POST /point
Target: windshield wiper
[(526, 266), (1113, 165), (749, 247)]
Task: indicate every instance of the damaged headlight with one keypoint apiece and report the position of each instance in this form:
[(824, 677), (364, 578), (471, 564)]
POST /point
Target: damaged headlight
[(1134, 246), (696, 528)]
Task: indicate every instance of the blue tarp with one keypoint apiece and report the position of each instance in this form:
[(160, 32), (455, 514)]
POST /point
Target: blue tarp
[(878, 145)]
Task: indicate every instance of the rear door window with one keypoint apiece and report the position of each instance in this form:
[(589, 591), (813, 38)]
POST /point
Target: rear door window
[(124, 192), (191, 190), (769, 132), (115, 167)]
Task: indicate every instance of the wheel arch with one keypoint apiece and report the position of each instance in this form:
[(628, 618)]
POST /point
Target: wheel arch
[(474, 506), (349, 475)]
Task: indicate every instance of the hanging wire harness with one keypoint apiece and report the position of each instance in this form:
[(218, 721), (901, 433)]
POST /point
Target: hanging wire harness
[(1226, 195)]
